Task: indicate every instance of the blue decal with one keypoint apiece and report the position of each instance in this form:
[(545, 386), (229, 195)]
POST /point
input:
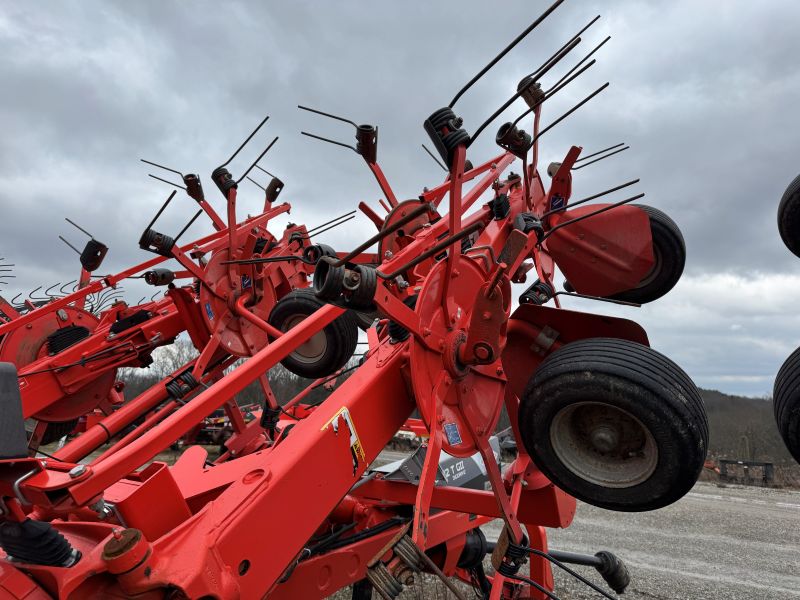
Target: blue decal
[(209, 312), (246, 282), (556, 202), (452, 433)]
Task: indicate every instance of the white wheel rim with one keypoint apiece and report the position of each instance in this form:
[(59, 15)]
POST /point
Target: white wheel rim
[(603, 444)]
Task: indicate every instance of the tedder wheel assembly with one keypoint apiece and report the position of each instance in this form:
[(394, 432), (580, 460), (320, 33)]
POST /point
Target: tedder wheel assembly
[(326, 351), (786, 397), (669, 254), (789, 216), (615, 424)]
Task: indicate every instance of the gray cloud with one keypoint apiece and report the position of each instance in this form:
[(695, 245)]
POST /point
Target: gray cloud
[(706, 94)]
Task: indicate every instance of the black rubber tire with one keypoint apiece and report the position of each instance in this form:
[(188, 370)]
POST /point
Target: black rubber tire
[(638, 380), (57, 430), (341, 335), (669, 250), (786, 399), (789, 216)]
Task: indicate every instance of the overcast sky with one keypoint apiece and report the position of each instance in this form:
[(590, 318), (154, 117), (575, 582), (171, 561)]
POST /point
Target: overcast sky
[(706, 94)]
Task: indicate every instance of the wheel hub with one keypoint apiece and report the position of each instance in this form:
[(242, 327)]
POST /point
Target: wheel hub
[(604, 444)]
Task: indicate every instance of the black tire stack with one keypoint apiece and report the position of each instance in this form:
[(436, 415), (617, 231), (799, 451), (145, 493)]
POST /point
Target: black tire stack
[(786, 393)]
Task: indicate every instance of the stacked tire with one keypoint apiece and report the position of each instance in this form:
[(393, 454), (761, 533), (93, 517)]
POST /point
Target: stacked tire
[(786, 393)]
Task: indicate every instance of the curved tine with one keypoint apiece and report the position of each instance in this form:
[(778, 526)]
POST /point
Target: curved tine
[(265, 171), (244, 143), (326, 223), (558, 85), (570, 111), (438, 162), (505, 51), (104, 296), (581, 61), (599, 152), (153, 297), (260, 156), (149, 162), (61, 289), (180, 187), (78, 227), (591, 162), (141, 300), (258, 185), (14, 301), (116, 295), (47, 291), (75, 287), (329, 227), (100, 297), (536, 75), (32, 292), (555, 89), (329, 115), (319, 137), (568, 42)]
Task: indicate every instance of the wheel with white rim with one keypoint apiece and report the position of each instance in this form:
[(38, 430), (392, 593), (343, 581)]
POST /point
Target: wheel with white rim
[(615, 424), (326, 351)]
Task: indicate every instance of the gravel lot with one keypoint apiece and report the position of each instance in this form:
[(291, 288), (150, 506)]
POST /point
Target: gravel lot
[(728, 543)]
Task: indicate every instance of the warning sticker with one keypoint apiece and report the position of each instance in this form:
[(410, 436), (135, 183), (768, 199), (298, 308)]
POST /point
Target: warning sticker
[(452, 433), (356, 449)]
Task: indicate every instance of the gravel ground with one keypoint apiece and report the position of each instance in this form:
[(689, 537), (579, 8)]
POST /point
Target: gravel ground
[(716, 543)]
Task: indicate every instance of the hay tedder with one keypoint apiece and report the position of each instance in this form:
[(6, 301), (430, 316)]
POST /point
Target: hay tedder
[(786, 394), (294, 507)]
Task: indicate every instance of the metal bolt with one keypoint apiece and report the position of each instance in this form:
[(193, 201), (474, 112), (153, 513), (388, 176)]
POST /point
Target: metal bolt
[(481, 351), (77, 471), (388, 254), (62, 314)]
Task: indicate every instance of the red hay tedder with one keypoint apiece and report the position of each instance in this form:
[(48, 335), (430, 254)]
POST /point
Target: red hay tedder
[(295, 507)]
